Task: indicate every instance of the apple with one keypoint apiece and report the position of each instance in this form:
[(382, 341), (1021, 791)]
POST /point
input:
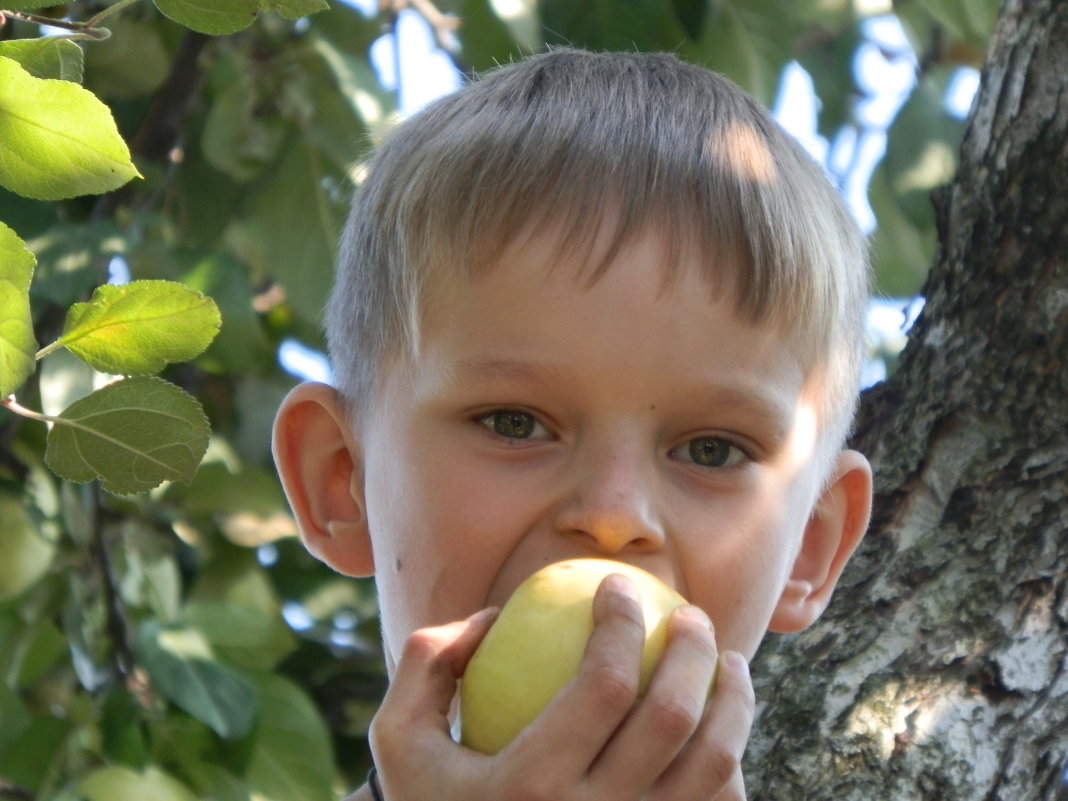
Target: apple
[(534, 647)]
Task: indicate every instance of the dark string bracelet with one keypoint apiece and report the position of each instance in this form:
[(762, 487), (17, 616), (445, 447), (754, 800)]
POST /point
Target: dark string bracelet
[(372, 782)]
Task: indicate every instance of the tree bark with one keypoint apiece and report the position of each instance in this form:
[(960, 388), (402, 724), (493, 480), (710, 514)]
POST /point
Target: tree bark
[(940, 671)]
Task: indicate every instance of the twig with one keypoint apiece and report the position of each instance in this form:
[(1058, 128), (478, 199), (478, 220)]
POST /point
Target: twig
[(9, 790), (444, 25), (160, 130)]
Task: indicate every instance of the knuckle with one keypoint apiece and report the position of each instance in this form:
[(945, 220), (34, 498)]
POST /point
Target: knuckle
[(614, 687), (420, 646), (675, 716), (543, 787), (742, 692), (720, 765)]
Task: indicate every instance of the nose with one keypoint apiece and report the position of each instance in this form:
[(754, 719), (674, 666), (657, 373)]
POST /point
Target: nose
[(610, 505)]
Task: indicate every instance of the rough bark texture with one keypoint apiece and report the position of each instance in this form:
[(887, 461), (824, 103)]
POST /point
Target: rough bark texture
[(941, 669)]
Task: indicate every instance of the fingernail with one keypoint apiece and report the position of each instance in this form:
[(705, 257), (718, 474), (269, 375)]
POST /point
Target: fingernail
[(695, 613), (483, 615), (735, 661), (622, 585)]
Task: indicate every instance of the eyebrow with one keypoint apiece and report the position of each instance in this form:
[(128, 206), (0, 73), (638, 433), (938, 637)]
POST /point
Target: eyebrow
[(760, 405), (490, 367)]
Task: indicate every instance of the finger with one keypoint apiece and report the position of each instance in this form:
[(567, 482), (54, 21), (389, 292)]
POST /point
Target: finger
[(574, 727), (664, 720), (413, 716), (710, 765)]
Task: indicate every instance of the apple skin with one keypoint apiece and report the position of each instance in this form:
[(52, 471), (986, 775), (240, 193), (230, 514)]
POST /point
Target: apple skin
[(535, 646)]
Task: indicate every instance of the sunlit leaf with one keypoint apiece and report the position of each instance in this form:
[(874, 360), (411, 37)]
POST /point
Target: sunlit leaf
[(181, 665), (46, 57), (133, 435), (141, 327), (56, 139), (293, 757), (17, 343), (116, 783)]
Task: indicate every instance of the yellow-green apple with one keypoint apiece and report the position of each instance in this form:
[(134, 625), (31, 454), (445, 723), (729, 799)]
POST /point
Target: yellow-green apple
[(535, 646)]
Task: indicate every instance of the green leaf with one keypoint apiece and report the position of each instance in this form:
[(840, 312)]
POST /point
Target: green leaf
[(644, 25), (141, 327), (122, 734), (133, 435), (56, 139), (749, 41), (46, 57), (901, 250), (182, 667), (26, 760), (214, 17), (220, 17), (238, 138), (117, 783), (25, 555), (293, 757), (12, 713), (133, 63), (294, 9), (17, 343), (246, 636), (296, 216), (922, 147), (487, 40)]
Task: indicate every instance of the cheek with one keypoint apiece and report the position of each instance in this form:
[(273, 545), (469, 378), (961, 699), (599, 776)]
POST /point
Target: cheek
[(440, 535), (742, 565)]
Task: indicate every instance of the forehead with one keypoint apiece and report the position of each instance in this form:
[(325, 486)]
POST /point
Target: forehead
[(643, 289)]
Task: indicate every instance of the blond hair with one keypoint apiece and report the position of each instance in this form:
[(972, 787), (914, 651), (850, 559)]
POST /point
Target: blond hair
[(560, 138)]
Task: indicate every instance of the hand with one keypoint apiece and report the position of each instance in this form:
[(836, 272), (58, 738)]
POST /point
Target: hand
[(592, 742)]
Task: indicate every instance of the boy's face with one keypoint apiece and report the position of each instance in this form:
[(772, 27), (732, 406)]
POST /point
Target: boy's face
[(542, 419)]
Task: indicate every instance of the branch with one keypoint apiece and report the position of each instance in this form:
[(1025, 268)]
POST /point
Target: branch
[(9, 790), (160, 131)]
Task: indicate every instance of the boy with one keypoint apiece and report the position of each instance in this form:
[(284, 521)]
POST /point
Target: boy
[(600, 305)]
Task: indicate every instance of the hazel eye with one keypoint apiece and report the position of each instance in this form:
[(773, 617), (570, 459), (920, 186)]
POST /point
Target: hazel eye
[(712, 452), (512, 424)]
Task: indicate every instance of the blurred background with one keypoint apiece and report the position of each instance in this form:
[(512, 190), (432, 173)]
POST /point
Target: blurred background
[(250, 142)]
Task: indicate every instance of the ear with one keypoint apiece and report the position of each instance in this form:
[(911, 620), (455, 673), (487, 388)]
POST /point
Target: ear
[(833, 532), (318, 462)]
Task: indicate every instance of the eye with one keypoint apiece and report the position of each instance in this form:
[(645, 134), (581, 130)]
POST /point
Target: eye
[(710, 452), (513, 424)]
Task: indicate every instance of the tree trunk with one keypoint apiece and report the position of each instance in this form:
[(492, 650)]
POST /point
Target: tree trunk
[(941, 669)]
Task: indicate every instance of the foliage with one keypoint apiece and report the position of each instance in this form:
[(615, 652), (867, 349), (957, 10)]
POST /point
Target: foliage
[(146, 555)]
